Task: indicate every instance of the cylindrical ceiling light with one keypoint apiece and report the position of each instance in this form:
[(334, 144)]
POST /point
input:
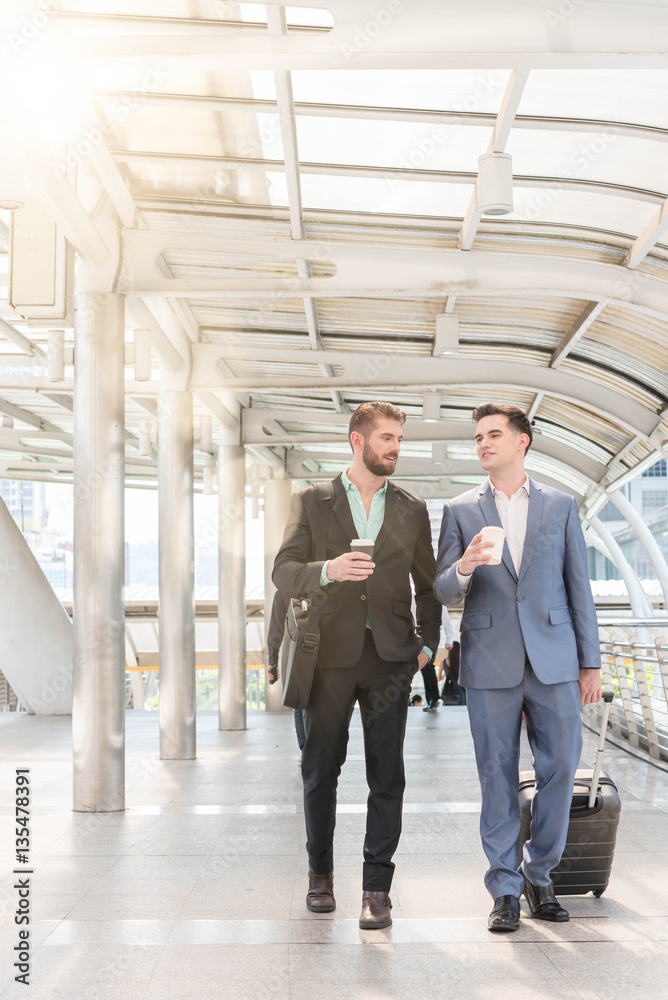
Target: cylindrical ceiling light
[(12, 165), (205, 433), (431, 407), (142, 355), (446, 340), (495, 184), (55, 355)]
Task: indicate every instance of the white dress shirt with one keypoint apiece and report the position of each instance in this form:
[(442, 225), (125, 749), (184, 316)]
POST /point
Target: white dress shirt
[(513, 514)]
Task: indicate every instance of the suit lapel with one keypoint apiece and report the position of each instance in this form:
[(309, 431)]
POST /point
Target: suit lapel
[(491, 516), (341, 509), (534, 519), (391, 505)]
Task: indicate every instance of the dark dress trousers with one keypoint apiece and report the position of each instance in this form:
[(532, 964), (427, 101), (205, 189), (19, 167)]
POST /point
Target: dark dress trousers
[(373, 666)]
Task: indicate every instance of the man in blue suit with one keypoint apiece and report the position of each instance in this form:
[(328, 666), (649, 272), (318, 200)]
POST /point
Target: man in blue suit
[(529, 644)]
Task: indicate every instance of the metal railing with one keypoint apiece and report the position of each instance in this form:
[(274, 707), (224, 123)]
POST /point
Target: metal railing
[(634, 660)]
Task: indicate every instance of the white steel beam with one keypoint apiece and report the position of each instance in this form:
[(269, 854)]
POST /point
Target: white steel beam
[(19, 413), (300, 466), (61, 399), (650, 236), (257, 422), (381, 271), (28, 346), (277, 24), (533, 409), (387, 369), (62, 203), (588, 316), (427, 34), (164, 347), (497, 144), (532, 182), (107, 170), (481, 119), (217, 410)]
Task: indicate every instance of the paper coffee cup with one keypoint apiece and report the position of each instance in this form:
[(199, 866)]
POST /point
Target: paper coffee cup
[(492, 533), (362, 545)]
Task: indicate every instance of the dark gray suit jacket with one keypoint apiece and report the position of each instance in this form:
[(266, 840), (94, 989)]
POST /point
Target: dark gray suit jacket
[(403, 549)]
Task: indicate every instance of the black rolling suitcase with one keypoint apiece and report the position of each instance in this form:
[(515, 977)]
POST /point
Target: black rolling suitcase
[(592, 829)]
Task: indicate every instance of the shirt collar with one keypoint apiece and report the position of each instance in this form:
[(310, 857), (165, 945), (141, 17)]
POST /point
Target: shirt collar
[(348, 486), (526, 485)]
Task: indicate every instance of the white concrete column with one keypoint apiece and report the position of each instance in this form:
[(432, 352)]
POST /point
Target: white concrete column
[(98, 696), (177, 576), (232, 587), (277, 496)]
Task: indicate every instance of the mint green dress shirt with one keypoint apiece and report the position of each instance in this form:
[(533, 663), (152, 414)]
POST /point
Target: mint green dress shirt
[(366, 527)]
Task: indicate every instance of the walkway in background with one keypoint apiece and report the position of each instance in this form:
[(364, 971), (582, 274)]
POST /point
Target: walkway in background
[(197, 891)]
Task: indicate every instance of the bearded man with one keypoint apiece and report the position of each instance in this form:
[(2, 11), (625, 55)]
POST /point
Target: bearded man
[(370, 647)]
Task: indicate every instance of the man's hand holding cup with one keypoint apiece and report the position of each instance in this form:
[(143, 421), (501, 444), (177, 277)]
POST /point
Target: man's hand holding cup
[(354, 565), (486, 548)]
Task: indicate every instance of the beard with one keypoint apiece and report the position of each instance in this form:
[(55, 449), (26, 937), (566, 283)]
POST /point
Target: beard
[(376, 465)]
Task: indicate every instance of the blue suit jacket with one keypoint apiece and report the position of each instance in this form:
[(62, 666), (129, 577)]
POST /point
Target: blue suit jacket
[(546, 612)]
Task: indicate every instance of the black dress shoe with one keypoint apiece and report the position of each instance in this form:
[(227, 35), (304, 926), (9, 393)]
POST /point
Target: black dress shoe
[(543, 903), (320, 896), (375, 913), (506, 914)]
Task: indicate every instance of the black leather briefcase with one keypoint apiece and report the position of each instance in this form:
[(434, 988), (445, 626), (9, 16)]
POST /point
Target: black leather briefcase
[(300, 651)]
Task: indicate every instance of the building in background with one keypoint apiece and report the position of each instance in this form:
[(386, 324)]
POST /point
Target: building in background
[(649, 495)]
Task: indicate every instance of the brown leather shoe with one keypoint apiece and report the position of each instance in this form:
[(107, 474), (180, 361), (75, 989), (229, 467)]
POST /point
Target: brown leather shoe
[(320, 896), (376, 908)]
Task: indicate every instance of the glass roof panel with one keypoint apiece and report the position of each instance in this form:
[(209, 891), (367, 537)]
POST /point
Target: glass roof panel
[(447, 90), (630, 95), (608, 157), (582, 208), (151, 128), (364, 194), (201, 182), (405, 145)]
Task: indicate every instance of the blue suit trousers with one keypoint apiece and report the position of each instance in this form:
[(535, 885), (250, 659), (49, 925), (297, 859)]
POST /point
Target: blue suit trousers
[(552, 713)]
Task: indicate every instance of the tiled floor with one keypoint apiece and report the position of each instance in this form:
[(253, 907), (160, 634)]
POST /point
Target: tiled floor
[(196, 892)]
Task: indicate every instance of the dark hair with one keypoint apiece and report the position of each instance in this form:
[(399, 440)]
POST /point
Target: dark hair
[(453, 660), (366, 415), (517, 418)]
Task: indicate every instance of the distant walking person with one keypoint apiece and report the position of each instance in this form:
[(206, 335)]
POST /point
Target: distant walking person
[(529, 644), (369, 648), (453, 693)]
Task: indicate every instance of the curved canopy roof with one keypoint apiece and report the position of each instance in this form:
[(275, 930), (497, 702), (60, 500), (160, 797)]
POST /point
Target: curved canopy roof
[(298, 194)]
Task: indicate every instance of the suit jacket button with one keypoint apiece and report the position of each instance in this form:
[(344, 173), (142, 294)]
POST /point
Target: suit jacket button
[(364, 597)]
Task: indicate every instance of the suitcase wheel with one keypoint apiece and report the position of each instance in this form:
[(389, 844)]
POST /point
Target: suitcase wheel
[(598, 892)]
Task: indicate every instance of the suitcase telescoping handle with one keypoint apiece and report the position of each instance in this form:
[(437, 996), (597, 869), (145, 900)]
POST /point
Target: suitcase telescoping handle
[(608, 698)]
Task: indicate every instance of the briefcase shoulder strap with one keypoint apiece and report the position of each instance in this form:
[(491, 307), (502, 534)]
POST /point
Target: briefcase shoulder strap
[(324, 495)]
